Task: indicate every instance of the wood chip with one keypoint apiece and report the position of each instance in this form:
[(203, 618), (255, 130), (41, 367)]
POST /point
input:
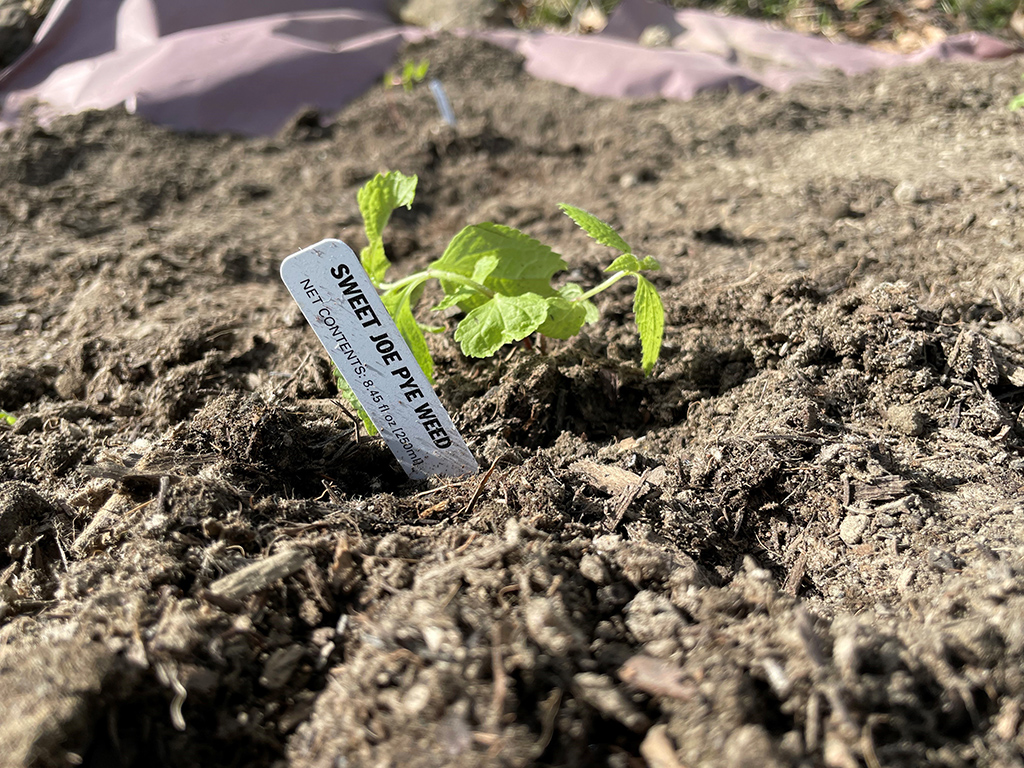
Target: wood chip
[(625, 499), (259, 575), (624, 486), (608, 478), (796, 575), (884, 488), (657, 677), (658, 750)]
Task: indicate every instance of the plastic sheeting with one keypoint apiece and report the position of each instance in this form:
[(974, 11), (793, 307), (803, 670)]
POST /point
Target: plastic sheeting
[(247, 66)]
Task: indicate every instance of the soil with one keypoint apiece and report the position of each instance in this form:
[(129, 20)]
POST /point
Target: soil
[(798, 542)]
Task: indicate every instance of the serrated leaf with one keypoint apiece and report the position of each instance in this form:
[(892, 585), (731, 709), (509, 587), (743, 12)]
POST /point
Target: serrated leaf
[(650, 263), (504, 259), (597, 229), (650, 321), (572, 292), (380, 196), (501, 320), (565, 318), (374, 261), (627, 262), (377, 200), (454, 299), (399, 303)]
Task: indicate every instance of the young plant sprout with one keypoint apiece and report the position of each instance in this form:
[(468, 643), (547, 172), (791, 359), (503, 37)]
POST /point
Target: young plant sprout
[(501, 279), (413, 72)]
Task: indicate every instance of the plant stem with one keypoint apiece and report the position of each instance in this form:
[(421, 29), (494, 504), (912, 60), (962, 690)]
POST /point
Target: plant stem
[(439, 274), (603, 286)]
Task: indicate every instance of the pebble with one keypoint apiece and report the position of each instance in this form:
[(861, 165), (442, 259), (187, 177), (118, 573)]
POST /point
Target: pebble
[(593, 569), (1006, 333), (851, 530), (906, 193), (942, 561), (906, 420)]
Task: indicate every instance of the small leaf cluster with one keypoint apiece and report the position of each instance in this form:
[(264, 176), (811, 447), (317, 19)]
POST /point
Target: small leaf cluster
[(500, 278), (1017, 102), (413, 72), (6, 418)]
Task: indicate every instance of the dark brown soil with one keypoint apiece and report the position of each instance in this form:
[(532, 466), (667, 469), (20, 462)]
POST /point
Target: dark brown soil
[(798, 543)]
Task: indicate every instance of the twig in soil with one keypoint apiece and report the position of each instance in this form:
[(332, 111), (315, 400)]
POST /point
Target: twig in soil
[(549, 713), (161, 498), (480, 487), (625, 501), (329, 489), (867, 746), (450, 596), (431, 491), (775, 436), (796, 576), (506, 590), (257, 576), (168, 675), (500, 678), (465, 545), (60, 549)]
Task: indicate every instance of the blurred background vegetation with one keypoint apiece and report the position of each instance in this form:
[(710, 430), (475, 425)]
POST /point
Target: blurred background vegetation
[(900, 24)]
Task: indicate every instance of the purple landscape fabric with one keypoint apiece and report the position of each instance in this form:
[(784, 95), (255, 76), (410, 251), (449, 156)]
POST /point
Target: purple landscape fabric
[(247, 66)]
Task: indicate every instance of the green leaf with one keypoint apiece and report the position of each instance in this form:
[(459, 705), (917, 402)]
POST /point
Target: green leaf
[(565, 318), (650, 321), (380, 196), (501, 320), (7, 418), (377, 200), (346, 392), (399, 303), (504, 259), (627, 262), (458, 298), (374, 261), (650, 263), (597, 229), (572, 292)]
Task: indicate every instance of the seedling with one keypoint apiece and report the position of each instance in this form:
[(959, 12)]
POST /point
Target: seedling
[(413, 72), (6, 418), (1016, 102), (501, 279)]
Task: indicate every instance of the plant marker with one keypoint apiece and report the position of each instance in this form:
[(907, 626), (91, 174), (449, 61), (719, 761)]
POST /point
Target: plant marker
[(342, 306), (441, 98)]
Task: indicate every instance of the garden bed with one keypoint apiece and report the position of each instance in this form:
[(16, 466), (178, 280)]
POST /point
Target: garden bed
[(798, 542)]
